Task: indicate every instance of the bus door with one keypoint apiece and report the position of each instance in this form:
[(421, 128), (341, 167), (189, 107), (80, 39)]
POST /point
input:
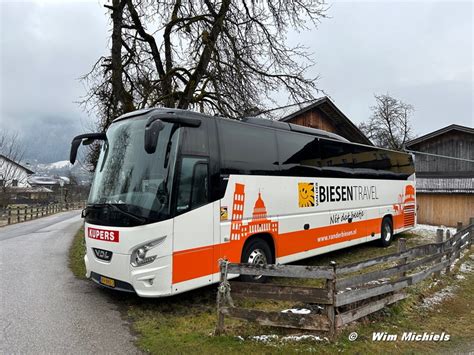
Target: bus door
[(193, 228), (193, 237)]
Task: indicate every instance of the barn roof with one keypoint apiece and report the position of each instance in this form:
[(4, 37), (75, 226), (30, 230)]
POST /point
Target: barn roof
[(345, 126), (439, 132), (28, 171), (445, 185)]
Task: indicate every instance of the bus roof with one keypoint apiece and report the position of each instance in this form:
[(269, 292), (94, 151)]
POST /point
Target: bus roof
[(249, 120)]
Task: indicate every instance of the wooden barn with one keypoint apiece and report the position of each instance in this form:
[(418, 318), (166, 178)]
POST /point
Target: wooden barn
[(322, 114), (445, 187)]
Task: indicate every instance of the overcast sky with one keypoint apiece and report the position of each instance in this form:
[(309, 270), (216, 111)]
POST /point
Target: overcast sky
[(419, 51)]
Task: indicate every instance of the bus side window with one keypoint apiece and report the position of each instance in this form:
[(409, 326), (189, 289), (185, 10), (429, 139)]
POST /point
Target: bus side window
[(297, 149), (247, 149), (336, 154), (199, 195), (192, 184)]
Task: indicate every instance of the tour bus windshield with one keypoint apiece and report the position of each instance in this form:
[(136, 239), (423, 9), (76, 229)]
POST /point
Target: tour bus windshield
[(130, 180)]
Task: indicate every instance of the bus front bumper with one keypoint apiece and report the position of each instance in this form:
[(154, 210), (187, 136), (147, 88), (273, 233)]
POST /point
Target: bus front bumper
[(153, 280)]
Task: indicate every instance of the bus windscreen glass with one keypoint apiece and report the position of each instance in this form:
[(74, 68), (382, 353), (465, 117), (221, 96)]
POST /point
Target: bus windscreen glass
[(128, 177)]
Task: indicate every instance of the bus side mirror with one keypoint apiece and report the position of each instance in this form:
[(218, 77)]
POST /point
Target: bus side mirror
[(85, 139), (152, 131)]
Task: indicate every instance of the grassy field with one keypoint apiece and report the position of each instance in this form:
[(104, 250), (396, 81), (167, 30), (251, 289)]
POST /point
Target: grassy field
[(185, 323)]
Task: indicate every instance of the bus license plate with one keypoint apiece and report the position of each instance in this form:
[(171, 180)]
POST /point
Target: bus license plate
[(106, 281)]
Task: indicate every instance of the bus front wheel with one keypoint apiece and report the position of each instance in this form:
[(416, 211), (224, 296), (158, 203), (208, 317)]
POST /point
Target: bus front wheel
[(386, 232), (257, 252)]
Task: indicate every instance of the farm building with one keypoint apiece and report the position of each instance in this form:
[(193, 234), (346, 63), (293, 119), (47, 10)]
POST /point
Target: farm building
[(12, 173), (322, 114), (445, 187)]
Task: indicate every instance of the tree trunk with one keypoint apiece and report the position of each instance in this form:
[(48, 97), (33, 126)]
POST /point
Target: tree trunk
[(119, 100)]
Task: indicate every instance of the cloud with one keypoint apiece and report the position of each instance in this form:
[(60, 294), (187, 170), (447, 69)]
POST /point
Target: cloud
[(46, 47), (420, 52)]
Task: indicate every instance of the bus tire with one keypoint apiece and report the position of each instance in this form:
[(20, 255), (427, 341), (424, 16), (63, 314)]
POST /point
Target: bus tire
[(256, 252), (386, 232)]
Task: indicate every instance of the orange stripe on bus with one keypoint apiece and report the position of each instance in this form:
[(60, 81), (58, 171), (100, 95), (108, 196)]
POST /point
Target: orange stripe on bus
[(192, 263), (198, 262), (300, 241)]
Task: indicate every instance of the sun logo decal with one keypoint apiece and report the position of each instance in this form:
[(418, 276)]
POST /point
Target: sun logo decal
[(306, 194)]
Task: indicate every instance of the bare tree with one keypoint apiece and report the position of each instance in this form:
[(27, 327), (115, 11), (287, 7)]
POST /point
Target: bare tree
[(11, 154), (390, 123), (220, 57)]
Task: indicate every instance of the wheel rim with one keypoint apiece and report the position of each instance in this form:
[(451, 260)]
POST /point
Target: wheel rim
[(388, 232), (257, 257)]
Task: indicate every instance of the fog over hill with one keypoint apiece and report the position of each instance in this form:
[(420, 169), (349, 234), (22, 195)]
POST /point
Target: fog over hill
[(50, 140)]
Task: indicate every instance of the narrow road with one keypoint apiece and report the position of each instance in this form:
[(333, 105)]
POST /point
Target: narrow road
[(43, 307)]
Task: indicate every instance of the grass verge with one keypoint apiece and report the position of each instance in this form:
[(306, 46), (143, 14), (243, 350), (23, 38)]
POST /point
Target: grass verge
[(185, 323), (76, 255)]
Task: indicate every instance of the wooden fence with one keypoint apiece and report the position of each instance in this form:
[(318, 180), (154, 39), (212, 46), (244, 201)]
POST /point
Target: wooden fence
[(350, 291), (17, 214)]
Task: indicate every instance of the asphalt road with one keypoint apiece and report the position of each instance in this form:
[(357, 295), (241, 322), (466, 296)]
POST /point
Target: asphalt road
[(43, 307)]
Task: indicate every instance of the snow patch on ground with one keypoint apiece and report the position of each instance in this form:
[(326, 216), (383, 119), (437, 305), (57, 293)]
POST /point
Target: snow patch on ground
[(466, 268), (297, 311), (304, 337), (438, 297), (448, 292), (273, 338), (428, 232)]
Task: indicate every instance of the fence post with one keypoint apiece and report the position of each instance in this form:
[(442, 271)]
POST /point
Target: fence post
[(9, 215), (471, 232), (25, 213), (17, 214), (331, 309), (402, 246), (439, 239), (221, 294), (37, 211), (450, 253), (459, 243)]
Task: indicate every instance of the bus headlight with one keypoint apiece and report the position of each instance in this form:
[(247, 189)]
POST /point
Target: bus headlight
[(139, 255), (141, 252)]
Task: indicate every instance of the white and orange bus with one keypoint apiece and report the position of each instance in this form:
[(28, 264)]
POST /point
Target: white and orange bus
[(175, 191)]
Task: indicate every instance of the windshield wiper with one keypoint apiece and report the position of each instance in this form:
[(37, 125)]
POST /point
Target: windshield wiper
[(116, 207)]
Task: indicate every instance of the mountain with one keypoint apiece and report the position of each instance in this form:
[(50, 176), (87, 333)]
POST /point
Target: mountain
[(62, 168)]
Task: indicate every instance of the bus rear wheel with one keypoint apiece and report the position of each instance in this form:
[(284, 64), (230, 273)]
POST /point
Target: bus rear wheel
[(257, 252), (386, 232)]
